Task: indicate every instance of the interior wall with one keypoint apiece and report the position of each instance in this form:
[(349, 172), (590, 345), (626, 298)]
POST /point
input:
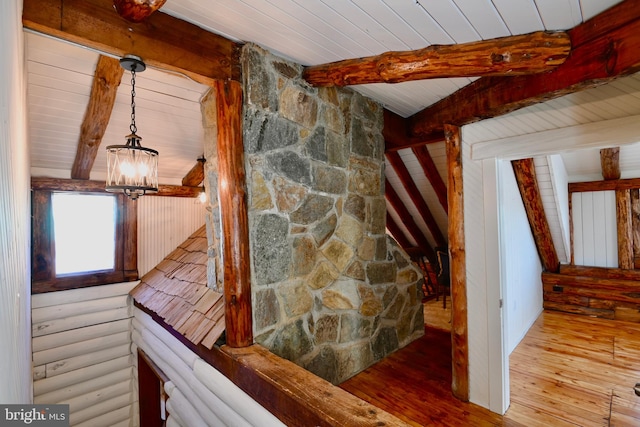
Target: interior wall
[(521, 266), (82, 354), (595, 233), (163, 224), (15, 283)]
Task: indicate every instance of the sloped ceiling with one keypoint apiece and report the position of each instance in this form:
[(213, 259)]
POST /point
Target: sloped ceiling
[(310, 33)]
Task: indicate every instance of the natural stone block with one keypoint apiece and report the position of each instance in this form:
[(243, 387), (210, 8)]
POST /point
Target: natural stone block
[(292, 342), (299, 106), (406, 276), (288, 195), (367, 109), (315, 145), (365, 141), (326, 329), (389, 295), (354, 327), (260, 195), (418, 320), (350, 230), (266, 309), (313, 208), (401, 260), (367, 248), (332, 118), (365, 182), (339, 253), (371, 305), (378, 215), (381, 272), (393, 312), (296, 298), (290, 165), (322, 276), (260, 87), (335, 300), (324, 365), (355, 205), (304, 255), (381, 248), (405, 325), (329, 95), (324, 229), (329, 179), (353, 359), (355, 271), (272, 252), (287, 69), (265, 131), (386, 342), (337, 149)]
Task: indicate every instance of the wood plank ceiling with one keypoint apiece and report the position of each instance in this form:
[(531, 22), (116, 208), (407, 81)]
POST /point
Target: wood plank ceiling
[(319, 32)]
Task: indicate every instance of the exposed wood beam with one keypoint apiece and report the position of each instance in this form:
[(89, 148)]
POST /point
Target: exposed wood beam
[(408, 221), (624, 222), (458, 266), (161, 40), (104, 88), (431, 171), (397, 233), (412, 190), (525, 173), (512, 55), (613, 184), (610, 163), (53, 184), (635, 225), (603, 48), (232, 196), (396, 136), (195, 176)]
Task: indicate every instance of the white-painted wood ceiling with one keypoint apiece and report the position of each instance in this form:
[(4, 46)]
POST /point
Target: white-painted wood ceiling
[(313, 32)]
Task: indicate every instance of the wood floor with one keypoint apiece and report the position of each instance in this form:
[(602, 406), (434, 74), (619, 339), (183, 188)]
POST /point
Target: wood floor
[(568, 371)]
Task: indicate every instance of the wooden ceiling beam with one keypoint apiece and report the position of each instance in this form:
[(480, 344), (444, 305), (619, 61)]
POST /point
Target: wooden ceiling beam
[(412, 189), (195, 176), (397, 233), (397, 204), (431, 172), (603, 48), (92, 186), (104, 88), (525, 174), (162, 41), (512, 55), (610, 163), (396, 136)]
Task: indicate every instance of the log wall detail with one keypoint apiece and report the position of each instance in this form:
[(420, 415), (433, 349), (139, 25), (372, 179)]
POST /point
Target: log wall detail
[(82, 354), (608, 293)]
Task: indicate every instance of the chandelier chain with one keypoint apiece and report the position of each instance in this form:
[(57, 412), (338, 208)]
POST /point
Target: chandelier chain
[(133, 127)]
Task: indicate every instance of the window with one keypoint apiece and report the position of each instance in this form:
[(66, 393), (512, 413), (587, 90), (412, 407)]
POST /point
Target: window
[(84, 230), (81, 235)]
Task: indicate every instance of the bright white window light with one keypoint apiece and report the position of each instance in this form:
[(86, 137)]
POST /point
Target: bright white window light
[(84, 232)]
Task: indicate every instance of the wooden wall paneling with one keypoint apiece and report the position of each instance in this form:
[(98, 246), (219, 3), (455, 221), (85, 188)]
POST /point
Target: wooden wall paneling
[(457, 253), (232, 194)]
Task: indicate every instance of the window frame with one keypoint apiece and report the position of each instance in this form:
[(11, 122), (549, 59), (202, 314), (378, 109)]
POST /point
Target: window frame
[(43, 277)]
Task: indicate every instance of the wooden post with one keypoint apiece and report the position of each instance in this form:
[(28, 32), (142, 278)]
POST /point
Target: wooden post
[(457, 255), (625, 230), (525, 172), (635, 225), (233, 214), (610, 163)]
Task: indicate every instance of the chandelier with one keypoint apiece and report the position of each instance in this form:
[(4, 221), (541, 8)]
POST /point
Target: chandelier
[(131, 168)]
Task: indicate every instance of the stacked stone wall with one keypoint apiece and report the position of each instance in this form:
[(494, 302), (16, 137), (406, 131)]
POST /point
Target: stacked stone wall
[(331, 291)]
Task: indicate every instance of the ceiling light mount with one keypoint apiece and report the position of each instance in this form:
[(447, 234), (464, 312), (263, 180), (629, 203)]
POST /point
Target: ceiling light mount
[(131, 168)]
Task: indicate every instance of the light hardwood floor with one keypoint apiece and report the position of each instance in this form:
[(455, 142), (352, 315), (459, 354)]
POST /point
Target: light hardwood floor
[(569, 370)]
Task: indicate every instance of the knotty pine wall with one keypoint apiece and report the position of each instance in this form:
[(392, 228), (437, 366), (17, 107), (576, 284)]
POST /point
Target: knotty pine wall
[(199, 395), (82, 354), (595, 238)]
